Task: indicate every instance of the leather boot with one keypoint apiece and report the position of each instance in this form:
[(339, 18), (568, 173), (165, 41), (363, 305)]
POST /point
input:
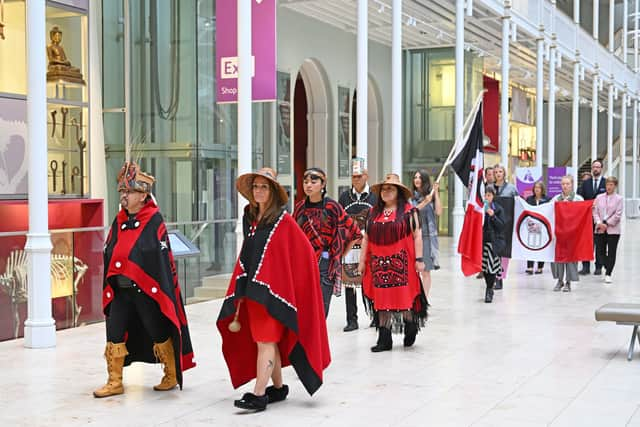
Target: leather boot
[(164, 353), (410, 332), (114, 354), (488, 295), (384, 340)]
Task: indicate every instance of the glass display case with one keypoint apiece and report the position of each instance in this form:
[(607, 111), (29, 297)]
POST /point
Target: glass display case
[(67, 101)]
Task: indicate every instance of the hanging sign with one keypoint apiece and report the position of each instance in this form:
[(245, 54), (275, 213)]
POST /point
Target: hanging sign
[(263, 47)]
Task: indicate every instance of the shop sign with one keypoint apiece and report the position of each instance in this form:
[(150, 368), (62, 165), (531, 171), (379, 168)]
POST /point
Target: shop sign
[(525, 178), (263, 46)]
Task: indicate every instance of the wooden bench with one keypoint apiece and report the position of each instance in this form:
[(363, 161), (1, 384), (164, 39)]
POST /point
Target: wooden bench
[(622, 314)]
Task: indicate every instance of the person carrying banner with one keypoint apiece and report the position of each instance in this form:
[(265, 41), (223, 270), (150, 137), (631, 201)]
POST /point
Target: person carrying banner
[(493, 241), (357, 201), (329, 229), (590, 189), (426, 199), (272, 315), (538, 197), (391, 261), (503, 189), (607, 213), (565, 272), (141, 298)]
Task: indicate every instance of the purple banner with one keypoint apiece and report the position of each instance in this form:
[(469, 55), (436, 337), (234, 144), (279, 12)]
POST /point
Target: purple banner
[(554, 178), (525, 178), (263, 46)]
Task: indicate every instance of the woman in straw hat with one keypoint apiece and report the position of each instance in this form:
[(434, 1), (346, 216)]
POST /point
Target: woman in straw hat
[(331, 231), (391, 261), (272, 315)]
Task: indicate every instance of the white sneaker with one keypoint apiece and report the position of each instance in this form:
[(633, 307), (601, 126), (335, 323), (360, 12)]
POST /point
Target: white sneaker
[(607, 279)]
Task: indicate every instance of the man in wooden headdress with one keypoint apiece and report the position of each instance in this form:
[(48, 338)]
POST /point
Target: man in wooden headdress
[(141, 296)]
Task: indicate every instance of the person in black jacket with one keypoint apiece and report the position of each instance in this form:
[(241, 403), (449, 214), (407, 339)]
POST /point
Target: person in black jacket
[(589, 190), (538, 197), (493, 241)]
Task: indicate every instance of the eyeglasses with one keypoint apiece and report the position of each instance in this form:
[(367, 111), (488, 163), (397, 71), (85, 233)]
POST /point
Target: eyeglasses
[(260, 187)]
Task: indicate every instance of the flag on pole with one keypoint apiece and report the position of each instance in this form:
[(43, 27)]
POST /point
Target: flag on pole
[(468, 164)]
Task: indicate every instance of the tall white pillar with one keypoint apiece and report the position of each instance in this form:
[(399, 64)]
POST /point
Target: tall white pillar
[(39, 328), (622, 179), (594, 117), (551, 127), (363, 84), (596, 21), (396, 88), (636, 26), (540, 101), (504, 88), (458, 211), (634, 162), (575, 118), (612, 20), (610, 131), (625, 29), (245, 123)]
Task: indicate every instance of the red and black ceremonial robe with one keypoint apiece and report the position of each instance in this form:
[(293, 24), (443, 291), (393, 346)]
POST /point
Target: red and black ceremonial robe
[(277, 268), (139, 249)]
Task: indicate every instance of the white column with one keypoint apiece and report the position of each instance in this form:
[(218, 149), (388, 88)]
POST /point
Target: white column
[(363, 84), (594, 117), (504, 89), (396, 89), (540, 101), (622, 179), (625, 29), (610, 131), (575, 117), (551, 127), (634, 162), (576, 12), (612, 16), (636, 26), (39, 328), (245, 122), (596, 21), (458, 211)]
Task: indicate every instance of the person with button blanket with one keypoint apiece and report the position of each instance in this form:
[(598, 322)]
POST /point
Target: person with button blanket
[(141, 297)]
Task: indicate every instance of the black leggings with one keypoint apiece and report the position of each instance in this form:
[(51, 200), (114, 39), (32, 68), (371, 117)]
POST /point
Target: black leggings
[(130, 301), (489, 279), (326, 285), (606, 248)]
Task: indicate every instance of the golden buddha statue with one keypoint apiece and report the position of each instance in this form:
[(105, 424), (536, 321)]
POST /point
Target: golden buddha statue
[(60, 67)]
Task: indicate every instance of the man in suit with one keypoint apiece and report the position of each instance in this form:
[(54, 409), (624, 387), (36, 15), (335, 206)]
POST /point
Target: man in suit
[(590, 189)]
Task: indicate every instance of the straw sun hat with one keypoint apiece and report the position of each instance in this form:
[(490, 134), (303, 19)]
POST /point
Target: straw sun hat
[(244, 184), (392, 179)]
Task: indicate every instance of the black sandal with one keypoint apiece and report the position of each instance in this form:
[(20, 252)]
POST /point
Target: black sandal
[(252, 402)]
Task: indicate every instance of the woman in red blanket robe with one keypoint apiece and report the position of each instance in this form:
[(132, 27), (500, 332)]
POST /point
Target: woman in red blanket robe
[(391, 260), (273, 313)]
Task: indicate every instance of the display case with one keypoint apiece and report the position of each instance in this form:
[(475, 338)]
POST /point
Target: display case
[(67, 101)]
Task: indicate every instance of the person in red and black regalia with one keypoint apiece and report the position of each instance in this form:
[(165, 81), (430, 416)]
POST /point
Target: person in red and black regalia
[(331, 231), (141, 297), (391, 262), (272, 315)]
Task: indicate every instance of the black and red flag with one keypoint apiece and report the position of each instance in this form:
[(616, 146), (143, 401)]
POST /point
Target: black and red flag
[(468, 164)]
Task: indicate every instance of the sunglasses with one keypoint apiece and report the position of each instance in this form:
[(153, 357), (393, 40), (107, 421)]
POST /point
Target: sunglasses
[(313, 177)]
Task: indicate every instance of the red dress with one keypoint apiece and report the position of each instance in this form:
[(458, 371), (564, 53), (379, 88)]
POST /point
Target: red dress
[(390, 280)]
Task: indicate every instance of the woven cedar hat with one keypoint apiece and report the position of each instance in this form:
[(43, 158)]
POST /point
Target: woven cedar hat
[(244, 185), (391, 179), (132, 178)]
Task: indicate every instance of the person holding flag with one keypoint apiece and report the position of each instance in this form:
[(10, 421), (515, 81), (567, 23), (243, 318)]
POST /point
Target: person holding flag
[(493, 241)]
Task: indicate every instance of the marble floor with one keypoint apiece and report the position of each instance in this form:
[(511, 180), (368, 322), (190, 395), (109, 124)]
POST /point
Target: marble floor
[(532, 358)]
